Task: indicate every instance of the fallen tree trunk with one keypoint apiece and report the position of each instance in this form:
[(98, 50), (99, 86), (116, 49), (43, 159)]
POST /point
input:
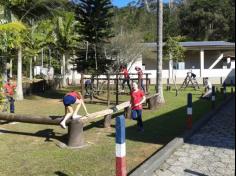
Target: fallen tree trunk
[(106, 112), (46, 120)]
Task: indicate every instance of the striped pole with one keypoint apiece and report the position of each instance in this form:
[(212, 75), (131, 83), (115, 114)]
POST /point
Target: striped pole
[(213, 98), (120, 147), (190, 111)]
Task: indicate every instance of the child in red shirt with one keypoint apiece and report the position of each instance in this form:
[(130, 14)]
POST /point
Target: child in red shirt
[(9, 88), (126, 77), (137, 99), (9, 91), (69, 99)]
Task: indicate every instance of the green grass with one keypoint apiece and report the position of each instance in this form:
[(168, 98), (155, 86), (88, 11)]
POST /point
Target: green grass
[(27, 149)]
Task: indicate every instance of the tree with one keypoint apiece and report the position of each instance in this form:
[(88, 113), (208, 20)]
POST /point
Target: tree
[(207, 19), (159, 86), (29, 11), (174, 52), (38, 36), (95, 29), (126, 48), (14, 33), (66, 38)]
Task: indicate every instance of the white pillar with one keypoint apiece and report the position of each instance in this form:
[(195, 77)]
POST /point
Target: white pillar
[(202, 62)]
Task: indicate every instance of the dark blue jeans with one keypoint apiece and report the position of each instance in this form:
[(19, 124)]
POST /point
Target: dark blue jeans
[(12, 105), (137, 115)]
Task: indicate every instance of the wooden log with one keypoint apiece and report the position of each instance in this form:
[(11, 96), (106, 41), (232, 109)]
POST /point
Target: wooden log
[(107, 121), (103, 113), (46, 120)]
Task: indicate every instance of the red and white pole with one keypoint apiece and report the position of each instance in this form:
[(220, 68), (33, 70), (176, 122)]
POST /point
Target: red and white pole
[(190, 111), (120, 147)]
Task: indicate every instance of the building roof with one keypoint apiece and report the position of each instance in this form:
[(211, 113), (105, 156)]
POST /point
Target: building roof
[(207, 45)]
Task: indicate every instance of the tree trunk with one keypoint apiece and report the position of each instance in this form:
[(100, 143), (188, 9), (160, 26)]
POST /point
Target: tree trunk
[(50, 57), (159, 86), (64, 84), (42, 57), (19, 89), (4, 71), (11, 73), (31, 69)]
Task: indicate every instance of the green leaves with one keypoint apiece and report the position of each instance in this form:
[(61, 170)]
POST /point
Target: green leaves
[(11, 35), (173, 48), (65, 34)]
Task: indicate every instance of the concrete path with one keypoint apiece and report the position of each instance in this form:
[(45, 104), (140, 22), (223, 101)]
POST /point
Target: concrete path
[(210, 152)]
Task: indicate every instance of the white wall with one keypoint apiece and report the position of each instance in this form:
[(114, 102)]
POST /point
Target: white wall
[(215, 75)]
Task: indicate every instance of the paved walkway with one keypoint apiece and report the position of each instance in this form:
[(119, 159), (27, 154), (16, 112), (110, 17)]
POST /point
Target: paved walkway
[(210, 152)]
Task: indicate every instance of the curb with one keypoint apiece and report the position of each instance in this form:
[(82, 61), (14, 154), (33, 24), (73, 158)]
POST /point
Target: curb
[(148, 168)]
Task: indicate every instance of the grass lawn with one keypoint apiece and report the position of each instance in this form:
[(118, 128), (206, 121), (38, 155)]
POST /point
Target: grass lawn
[(32, 150)]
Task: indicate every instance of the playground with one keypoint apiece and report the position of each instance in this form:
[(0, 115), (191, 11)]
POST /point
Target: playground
[(31, 149), (111, 87)]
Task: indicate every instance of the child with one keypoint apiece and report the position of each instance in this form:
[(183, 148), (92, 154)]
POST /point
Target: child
[(9, 92), (208, 87), (140, 77), (137, 99), (126, 77), (69, 99)]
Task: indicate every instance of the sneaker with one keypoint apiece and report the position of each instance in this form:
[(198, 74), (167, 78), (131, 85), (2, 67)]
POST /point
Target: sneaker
[(76, 116), (63, 125)]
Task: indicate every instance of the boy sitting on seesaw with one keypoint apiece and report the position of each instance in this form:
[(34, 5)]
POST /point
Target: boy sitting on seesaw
[(69, 99)]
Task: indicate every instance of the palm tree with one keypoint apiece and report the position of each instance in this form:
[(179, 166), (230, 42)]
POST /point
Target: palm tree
[(159, 86), (14, 36), (66, 39), (38, 36)]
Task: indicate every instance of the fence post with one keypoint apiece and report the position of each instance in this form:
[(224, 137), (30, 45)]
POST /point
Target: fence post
[(108, 91), (120, 147), (232, 87), (225, 91), (213, 98), (117, 89), (82, 84), (168, 84), (190, 111)]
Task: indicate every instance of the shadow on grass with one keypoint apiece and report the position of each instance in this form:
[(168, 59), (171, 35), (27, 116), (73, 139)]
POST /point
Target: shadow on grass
[(48, 134), (59, 173)]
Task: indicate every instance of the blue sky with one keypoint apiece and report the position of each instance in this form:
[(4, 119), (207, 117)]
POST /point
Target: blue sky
[(122, 3)]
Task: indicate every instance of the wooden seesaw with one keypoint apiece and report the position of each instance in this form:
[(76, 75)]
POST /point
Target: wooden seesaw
[(75, 126)]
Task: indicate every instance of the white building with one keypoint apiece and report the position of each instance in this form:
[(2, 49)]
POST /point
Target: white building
[(213, 59)]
